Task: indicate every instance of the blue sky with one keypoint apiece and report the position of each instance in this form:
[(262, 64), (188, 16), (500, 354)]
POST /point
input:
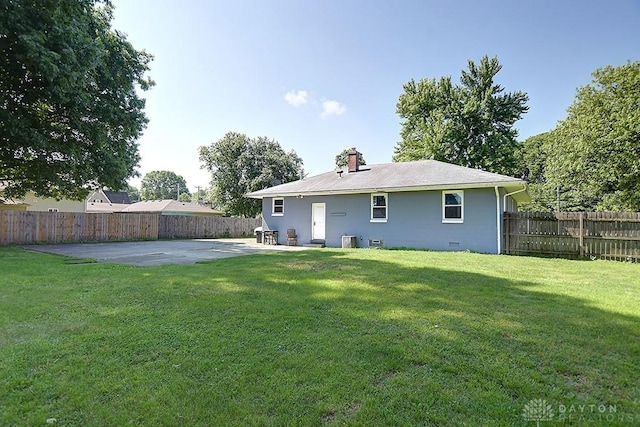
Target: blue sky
[(320, 76)]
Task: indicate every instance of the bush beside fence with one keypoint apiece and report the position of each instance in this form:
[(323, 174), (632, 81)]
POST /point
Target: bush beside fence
[(20, 227), (607, 235)]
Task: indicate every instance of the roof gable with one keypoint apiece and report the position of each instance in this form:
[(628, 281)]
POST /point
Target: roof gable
[(392, 177)]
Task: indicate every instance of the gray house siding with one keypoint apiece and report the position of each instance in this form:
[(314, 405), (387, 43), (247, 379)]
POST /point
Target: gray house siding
[(414, 219)]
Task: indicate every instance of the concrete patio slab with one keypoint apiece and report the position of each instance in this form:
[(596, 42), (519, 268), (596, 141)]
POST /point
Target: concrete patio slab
[(159, 252)]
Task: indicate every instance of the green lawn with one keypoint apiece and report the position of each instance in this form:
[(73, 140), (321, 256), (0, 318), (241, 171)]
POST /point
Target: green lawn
[(333, 337)]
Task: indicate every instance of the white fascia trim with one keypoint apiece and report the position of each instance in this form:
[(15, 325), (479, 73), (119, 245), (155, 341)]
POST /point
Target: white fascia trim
[(389, 190)]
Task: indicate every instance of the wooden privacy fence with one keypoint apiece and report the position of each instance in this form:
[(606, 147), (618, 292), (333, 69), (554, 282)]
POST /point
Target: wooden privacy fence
[(608, 235), (20, 227), (184, 227)]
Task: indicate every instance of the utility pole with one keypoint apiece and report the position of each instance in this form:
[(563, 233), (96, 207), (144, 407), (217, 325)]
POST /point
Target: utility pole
[(558, 196), (178, 196)]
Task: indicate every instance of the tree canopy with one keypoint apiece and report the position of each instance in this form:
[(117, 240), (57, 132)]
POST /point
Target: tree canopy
[(342, 159), (159, 185), (594, 154), (470, 125), (534, 157), (69, 112), (239, 165)]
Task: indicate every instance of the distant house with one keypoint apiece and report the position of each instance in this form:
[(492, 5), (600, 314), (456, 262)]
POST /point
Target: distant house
[(46, 204), (421, 204), (107, 196), (171, 207), (31, 202), (105, 201)]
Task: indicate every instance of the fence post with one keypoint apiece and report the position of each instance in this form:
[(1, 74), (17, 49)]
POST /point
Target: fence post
[(507, 231), (581, 242)]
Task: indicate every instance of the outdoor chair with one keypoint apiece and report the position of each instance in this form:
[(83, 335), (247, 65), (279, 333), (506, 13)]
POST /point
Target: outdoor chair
[(292, 238)]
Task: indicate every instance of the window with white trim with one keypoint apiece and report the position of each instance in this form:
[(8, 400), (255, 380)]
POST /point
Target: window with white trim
[(277, 206), (453, 206), (379, 207)]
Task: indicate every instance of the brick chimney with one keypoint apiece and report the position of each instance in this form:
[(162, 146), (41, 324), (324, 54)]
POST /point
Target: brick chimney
[(354, 161)]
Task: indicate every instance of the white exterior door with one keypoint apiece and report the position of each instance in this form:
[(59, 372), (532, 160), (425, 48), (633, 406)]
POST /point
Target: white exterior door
[(318, 221)]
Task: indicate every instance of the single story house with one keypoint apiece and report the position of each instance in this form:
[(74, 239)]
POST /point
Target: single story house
[(171, 207), (421, 204)]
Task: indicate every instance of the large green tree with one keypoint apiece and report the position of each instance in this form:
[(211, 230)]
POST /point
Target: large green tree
[(159, 185), (70, 115), (534, 157), (595, 154), (239, 165), (470, 124)]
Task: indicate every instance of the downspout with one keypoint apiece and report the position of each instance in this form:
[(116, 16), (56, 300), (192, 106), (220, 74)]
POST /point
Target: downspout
[(510, 194), (498, 220)]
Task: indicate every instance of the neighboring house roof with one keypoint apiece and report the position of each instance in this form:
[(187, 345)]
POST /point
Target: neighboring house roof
[(394, 177), (106, 196), (105, 201), (9, 204), (7, 201), (170, 207), (121, 197), (96, 207)]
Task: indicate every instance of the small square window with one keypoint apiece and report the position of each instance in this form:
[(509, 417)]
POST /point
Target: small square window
[(379, 207), (453, 206), (277, 207)]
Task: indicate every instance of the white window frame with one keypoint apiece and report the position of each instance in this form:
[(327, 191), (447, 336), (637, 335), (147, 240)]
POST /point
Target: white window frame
[(273, 206), (386, 207), (446, 220)]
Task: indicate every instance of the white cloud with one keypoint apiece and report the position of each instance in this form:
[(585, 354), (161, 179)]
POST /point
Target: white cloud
[(296, 98), (332, 108)]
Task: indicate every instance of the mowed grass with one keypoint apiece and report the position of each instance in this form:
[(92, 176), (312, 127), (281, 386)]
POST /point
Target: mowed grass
[(319, 337)]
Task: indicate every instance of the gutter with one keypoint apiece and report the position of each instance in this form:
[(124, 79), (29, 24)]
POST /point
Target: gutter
[(512, 193), (498, 220), (289, 193)]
